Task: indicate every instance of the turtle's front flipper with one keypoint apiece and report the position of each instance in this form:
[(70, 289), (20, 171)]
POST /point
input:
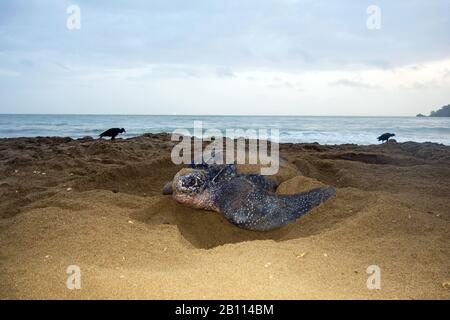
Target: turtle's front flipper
[(256, 209), (168, 189)]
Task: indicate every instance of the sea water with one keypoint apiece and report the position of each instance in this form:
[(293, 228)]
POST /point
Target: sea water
[(324, 130)]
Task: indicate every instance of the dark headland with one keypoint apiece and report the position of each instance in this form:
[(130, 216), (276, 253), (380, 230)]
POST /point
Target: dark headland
[(442, 112)]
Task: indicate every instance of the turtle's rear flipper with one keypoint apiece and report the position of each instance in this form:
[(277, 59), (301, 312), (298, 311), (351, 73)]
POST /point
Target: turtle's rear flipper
[(259, 210)]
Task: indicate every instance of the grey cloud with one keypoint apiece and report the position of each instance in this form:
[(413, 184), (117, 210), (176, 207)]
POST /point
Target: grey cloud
[(421, 86), (447, 74), (351, 83), (224, 72)]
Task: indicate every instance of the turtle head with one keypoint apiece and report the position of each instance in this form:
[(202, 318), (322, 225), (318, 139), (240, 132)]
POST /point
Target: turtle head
[(188, 181), (122, 130), (190, 187), (192, 183)]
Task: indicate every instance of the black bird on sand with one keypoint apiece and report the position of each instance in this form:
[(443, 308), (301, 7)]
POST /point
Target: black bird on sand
[(113, 133), (385, 136)]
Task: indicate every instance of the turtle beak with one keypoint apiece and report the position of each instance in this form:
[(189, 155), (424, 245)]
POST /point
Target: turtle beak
[(167, 190)]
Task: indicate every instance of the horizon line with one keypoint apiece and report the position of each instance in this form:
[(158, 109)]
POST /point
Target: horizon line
[(204, 115)]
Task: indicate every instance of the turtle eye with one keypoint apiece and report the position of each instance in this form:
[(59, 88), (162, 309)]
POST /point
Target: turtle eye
[(192, 183)]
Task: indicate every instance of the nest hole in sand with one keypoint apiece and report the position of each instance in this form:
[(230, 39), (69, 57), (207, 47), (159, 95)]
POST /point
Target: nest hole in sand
[(207, 230)]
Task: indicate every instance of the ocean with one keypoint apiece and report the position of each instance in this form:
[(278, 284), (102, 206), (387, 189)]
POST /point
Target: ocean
[(324, 130)]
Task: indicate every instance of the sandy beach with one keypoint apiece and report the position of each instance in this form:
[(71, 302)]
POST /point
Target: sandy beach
[(98, 205)]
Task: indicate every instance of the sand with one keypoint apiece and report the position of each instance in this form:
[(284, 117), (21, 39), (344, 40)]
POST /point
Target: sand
[(98, 205)]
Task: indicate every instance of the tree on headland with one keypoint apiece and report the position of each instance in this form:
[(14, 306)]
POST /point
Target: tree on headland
[(442, 112)]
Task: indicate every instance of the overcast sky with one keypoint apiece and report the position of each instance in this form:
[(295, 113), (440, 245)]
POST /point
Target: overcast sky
[(290, 57)]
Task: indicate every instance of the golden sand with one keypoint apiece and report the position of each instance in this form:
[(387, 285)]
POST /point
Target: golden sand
[(98, 205)]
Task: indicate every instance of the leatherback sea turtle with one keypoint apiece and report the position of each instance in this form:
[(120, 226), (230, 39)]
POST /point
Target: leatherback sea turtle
[(246, 200)]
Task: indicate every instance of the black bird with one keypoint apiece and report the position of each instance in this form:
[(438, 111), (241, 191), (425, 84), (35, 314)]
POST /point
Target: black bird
[(385, 136), (113, 133)]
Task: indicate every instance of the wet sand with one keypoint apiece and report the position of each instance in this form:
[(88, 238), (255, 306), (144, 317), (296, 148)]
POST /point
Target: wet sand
[(98, 205)]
